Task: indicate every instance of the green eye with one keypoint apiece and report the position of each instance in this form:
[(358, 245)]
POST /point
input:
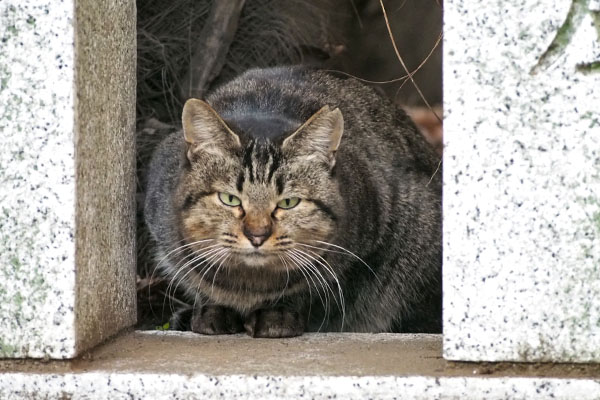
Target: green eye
[(229, 199), (286, 204)]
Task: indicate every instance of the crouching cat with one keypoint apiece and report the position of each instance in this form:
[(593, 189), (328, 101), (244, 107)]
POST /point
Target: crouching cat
[(297, 201)]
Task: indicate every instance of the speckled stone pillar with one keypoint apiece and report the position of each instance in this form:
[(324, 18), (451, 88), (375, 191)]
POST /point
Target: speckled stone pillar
[(522, 180), (67, 180)]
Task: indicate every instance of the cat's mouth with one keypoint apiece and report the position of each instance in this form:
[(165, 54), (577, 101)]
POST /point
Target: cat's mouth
[(257, 254), (257, 258)]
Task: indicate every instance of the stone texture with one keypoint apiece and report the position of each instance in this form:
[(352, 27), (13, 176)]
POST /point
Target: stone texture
[(314, 366), (104, 384), (522, 181), (66, 174), (105, 163)]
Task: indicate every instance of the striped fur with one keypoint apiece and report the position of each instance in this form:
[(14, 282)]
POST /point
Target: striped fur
[(362, 249)]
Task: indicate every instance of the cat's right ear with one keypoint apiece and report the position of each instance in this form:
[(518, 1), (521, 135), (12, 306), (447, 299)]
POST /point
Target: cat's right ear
[(205, 130), (319, 137)]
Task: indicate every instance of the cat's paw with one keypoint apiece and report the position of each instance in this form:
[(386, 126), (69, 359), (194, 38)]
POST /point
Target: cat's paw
[(216, 320), (274, 323)]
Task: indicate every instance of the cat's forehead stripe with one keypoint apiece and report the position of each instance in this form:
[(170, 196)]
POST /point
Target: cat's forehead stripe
[(247, 161), (240, 182), (260, 160), (280, 184), (275, 161)]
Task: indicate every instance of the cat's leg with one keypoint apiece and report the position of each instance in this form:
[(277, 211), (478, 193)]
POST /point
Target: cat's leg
[(216, 320), (276, 322)]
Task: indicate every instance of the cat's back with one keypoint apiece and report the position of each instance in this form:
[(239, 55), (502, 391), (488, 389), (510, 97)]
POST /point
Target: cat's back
[(274, 102)]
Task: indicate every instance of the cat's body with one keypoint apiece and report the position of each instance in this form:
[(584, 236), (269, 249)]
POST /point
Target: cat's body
[(293, 207)]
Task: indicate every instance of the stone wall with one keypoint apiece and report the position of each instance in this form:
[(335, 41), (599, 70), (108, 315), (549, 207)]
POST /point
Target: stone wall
[(522, 181), (521, 173), (67, 176)]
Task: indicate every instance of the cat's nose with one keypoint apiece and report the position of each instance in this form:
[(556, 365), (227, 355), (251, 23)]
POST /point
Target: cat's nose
[(257, 235)]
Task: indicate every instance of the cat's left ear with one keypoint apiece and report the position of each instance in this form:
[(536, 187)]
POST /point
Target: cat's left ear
[(204, 129), (319, 137)]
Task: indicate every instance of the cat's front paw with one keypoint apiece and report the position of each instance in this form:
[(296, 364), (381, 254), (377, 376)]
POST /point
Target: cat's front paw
[(274, 323), (216, 320)]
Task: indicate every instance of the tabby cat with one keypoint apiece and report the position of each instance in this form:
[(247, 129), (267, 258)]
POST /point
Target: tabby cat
[(294, 200)]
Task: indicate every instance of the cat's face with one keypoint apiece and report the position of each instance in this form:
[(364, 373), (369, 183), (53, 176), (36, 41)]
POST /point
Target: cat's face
[(254, 202)]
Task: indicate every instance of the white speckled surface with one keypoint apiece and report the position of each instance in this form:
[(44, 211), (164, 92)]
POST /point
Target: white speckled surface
[(314, 366), (104, 385), (52, 104), (521, 184), (37, 182)]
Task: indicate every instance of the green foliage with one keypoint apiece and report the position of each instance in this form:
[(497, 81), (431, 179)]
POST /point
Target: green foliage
[(164, 327)]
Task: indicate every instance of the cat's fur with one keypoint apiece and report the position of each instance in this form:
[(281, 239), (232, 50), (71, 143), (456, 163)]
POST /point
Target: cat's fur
[(368, 187)]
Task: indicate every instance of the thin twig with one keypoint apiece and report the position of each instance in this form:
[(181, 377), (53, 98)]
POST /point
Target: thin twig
[(360, 24), (336, 71), (435, 46), (410, 75)]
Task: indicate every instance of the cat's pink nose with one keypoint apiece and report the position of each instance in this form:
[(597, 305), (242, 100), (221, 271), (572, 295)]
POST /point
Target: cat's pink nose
[(257, 235)]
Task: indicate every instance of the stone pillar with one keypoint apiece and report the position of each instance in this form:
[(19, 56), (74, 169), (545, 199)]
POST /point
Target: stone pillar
[(522, 180), (67, 174)]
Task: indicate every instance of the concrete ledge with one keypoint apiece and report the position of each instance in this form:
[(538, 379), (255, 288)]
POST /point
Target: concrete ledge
[(318, 366)]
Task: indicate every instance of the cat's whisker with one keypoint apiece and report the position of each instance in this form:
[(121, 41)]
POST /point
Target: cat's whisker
[(196, 258), (178, 250), (344, 251), (210, 259), (301, 269), (310, 270), (175, 251), (181, 248), (309, 259), (342, 304), (308, 264), (224, 260), (308, 279), (168, 291), (192, 257), (287, 270), (328, 268), (305, 266), (195, 301)]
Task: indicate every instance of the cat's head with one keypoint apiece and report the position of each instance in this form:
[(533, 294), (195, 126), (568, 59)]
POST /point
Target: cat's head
[(256, 201)]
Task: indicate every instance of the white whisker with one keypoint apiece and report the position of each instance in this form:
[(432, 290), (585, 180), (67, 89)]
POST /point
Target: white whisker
[(176, 250), (227, 255), (192, 255), (342, 303), (345, 251), (197, 257), (194, 258), (311, 270), (287, 270), (301, 269)]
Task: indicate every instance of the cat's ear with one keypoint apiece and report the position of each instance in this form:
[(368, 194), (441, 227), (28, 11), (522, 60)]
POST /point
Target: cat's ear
[(204, 129), (319, 137)]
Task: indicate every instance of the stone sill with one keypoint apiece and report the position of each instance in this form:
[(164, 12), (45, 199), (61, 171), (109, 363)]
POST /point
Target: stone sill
[(318, 366)]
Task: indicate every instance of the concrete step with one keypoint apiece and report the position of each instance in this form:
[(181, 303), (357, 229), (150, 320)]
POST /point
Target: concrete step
[(183, 365)]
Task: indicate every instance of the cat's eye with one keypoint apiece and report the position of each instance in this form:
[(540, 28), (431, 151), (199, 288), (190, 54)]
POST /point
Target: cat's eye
[(286, 204), (229, 199)]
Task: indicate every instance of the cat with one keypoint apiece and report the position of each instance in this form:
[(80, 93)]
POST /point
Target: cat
[(294, 200)]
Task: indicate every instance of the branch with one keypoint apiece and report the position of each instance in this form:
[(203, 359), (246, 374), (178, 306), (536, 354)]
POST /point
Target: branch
[(210, 52)]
